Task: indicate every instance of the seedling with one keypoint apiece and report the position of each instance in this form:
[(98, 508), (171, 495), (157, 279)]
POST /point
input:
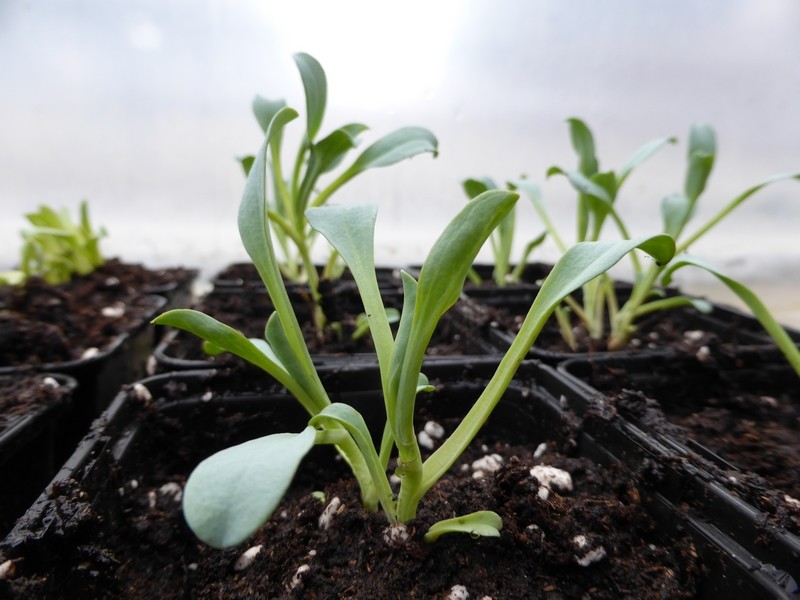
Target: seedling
[(501, 241), (597, 194), (232, 493), (56, 248), (301, 188)]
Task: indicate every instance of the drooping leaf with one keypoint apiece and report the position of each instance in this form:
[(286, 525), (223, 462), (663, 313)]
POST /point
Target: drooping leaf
[(753, 302), (264, 110), (329, 152), (394, 147), (231, 494), (315, 85)]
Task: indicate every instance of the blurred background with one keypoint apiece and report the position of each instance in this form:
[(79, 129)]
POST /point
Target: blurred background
[(142, 107)]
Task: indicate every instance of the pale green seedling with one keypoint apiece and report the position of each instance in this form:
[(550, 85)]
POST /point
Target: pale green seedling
[(221, 495), (597, 194), (302, 186), (56, 248)]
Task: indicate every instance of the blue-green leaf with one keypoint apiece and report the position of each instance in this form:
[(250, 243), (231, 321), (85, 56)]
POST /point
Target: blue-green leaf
[(231, 494), (315, 85), (702, 151), (760, 311), (676, 211), (264, 110)]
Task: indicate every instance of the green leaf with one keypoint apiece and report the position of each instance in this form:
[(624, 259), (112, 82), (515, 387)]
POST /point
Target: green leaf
[(390, 149), (475, 187), (441, 280), (641, 155), (676, 210), (583, 143), (347, 417), (231, 494), (247, 163), (761, 312), (265, 110), (702, 151), (730, 206), (316, 88), (443, 272), (255, 233), (329, 152), (403, 334), (484, 523), (582, 183)]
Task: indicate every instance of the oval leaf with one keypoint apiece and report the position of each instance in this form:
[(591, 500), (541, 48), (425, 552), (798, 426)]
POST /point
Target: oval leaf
[(484, 523), (231, 494), (315, 85)]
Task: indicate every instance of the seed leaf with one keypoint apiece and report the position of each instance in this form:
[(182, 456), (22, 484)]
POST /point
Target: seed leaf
[(483, 523)]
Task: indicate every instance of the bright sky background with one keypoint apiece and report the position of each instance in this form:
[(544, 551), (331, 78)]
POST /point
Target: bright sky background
[(142, 106)]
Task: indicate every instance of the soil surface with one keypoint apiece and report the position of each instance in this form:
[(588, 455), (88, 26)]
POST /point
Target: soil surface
[(129, 540), (246, 309), (41, 324), (743, 410)]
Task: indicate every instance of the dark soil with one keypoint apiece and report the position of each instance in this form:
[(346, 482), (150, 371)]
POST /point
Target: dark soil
[(137, 545), (246, 275), (247, 309), (41, 324), (24, 394), (742, 410), (682, 329)]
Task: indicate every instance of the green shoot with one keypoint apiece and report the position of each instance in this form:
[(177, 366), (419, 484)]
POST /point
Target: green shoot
[(56, 248)]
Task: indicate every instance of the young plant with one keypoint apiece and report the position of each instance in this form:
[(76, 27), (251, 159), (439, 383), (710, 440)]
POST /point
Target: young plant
[(299, 187), (501, 241), (597, 194), (232, 493), (56, 248)]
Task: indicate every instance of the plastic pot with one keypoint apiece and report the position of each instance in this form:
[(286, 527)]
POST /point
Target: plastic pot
[(728, 429), (32, 406)]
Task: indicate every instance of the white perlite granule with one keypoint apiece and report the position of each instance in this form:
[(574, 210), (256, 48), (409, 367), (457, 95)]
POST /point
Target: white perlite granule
[(488, 464), (326, 518), (552, 479), (247, 558), (458, 592)]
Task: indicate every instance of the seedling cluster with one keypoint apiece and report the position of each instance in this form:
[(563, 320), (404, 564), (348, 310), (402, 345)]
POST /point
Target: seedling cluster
[(232, 493), (300, 187), (56, 248)]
